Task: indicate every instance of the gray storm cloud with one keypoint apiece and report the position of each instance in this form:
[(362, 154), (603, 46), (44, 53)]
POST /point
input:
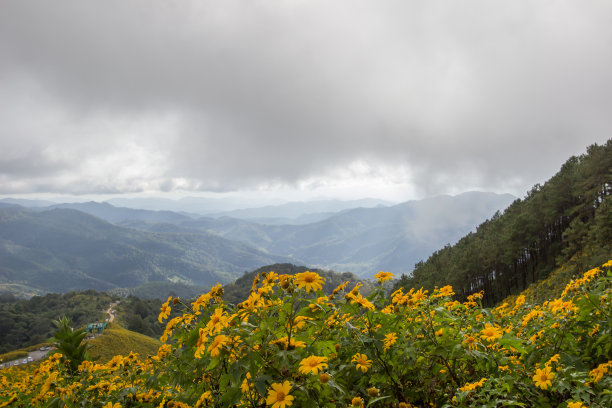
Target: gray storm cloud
[(119, 96)]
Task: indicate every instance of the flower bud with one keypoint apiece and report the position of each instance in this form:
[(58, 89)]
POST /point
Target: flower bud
[(357, 402)]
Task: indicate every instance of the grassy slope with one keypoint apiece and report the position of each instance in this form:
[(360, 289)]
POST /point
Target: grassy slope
[(119, 341)]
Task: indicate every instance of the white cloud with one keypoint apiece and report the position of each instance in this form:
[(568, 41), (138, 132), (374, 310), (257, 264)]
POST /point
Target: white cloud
[(330, 98)]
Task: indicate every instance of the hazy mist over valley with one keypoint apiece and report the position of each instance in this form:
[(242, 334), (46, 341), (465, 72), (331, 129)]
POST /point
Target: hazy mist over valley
[(91, 245)]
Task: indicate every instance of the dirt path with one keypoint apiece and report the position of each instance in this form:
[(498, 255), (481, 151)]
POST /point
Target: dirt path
[(110, 313)]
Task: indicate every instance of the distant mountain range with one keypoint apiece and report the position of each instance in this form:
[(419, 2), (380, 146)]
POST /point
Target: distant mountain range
[(241, 208), (97, 245), (299, 212), (63, 249), (366, 240)]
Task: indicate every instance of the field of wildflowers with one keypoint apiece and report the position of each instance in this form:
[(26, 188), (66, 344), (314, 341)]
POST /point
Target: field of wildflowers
[(290, 345)]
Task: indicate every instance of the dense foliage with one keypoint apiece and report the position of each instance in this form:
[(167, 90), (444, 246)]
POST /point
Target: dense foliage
[(239, 290), (140, 315), (567, 220), (290, 344), (28, 322)]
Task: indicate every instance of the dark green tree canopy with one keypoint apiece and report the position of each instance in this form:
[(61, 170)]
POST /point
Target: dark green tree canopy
[(566, 220)]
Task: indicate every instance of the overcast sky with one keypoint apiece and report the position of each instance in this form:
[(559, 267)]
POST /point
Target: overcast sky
[(389, 99)]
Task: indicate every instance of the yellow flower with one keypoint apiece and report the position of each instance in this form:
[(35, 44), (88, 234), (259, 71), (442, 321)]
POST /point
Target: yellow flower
[(165, 310), (383, 276), (278, 395), (470, 342), (576, 405), (361, 362), (419, 295), (589, 275), (390, 339), (312, 364), (553, 359), (200, 303), (365, 303), (490, 333), (111, 405), (201, 343), (219, 341), (218, 321), (246, 383), (299, 322), (470, 387), (543, 378), (341, 287), (293, 343), (597, 373), (115, 362), (206, 397), (309, 281), (373, 392), (169, 328), (447, 291)]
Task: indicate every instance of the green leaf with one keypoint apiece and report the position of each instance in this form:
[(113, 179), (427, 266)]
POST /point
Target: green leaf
[(213, 363), (375, 400), (231, 396), (261, 384)]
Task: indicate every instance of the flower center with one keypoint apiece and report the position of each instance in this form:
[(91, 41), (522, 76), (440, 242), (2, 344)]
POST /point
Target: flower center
[(280, 396)]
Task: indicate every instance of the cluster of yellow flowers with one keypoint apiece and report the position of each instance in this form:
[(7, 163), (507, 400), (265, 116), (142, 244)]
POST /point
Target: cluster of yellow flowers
[(471, 387), (289, 344)]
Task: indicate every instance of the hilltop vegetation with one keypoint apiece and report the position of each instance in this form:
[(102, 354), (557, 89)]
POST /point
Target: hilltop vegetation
[(567, 221), (28, 322), (118, 341)]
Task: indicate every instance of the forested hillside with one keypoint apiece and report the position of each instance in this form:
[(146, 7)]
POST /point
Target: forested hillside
[(27, 322), (568, 221)]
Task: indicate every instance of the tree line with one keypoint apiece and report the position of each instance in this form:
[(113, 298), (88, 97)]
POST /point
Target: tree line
[(566, 221)]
